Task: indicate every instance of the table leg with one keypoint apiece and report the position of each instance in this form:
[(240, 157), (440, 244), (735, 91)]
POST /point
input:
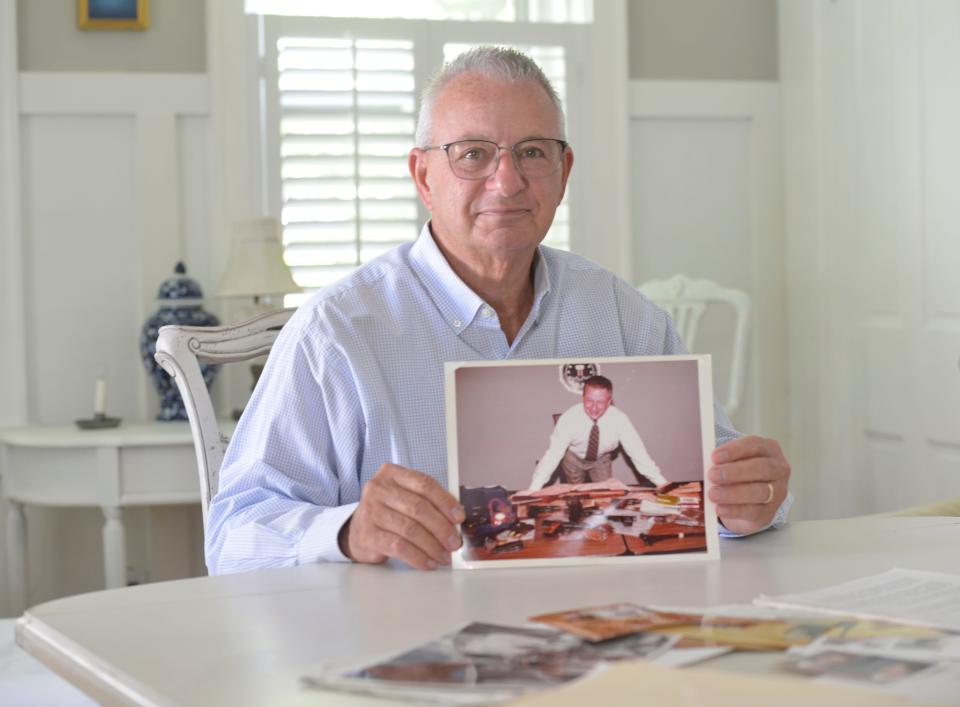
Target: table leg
[(114, 548), (16, 557)]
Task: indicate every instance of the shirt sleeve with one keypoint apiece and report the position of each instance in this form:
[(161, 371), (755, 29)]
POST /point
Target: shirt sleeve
[(278, 502), (560, 439), (779, 520), (634, 447)]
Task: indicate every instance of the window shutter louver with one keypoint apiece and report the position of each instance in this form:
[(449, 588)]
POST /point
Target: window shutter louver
[(347, 120)]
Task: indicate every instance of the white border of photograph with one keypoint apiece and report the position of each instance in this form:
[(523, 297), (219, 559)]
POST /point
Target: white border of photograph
[(707, 436)]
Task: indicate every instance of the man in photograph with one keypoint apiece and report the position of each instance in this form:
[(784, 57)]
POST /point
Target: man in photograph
[(586, 438), (341, 452)]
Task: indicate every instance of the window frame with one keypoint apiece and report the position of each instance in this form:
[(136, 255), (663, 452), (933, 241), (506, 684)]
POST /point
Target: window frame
[(429, 38)]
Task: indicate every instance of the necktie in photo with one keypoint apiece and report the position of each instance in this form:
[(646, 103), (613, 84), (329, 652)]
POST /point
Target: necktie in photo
[(593, 444)]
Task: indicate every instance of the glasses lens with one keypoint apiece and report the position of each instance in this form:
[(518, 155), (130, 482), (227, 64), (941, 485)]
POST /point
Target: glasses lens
[(478, 159), (538, 158), (472, 159)]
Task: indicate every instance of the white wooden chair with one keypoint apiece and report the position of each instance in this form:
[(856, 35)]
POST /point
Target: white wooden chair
[(181, 350), (685, 300)]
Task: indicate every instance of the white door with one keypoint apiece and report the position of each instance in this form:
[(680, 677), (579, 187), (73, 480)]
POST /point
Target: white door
[(882, 293)]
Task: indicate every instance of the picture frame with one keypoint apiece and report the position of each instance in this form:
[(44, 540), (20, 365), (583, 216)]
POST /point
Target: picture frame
[(507, 422), (113, 14)]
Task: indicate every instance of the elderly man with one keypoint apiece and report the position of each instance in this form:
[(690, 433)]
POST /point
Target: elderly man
[(341, 452), (587, 436)]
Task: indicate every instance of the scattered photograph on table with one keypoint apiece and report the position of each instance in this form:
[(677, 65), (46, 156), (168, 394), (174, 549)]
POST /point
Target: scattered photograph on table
[(837, 665), (492, 660), (933, 648), (864, 629), (693, 630), (571, 461), (483, 654), (748, 634), (601, 623)]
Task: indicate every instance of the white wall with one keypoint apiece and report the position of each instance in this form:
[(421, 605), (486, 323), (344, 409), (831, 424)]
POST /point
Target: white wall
[(106, 163), (50, 41), (706, 202), (13, 391), (113, 182), (701, 40), (871, 112)]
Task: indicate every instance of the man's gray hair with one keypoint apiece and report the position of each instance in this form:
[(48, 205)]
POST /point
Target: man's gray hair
[(501, 63)]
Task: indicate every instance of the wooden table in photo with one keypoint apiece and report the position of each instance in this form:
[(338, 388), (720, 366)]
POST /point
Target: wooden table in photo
[(661, 538), (665, 537)]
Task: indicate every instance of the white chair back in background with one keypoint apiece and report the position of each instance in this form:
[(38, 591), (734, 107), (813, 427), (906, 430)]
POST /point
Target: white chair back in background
[(181, 350), (685, 300)]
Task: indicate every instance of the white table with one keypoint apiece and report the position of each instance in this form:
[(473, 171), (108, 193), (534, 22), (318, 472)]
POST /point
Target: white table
[(246, 639), (136, 464)]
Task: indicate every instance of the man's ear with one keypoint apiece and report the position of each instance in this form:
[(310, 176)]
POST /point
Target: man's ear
[(567, 167), (417, 164)]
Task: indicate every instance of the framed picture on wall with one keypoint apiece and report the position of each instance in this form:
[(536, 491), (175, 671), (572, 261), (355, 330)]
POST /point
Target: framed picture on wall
[(582, 461), (113, 14)]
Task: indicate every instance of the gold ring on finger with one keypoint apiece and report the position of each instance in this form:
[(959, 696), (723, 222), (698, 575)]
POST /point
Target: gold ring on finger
[(769, 493)]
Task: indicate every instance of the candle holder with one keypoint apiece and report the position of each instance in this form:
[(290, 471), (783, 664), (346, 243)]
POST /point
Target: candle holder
[(99, 422)]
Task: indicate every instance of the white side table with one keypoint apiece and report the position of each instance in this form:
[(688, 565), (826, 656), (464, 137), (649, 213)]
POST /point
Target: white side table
[(136, 464)]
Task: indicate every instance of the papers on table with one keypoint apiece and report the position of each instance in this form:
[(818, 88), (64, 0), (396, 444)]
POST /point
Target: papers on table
[(905, 596)]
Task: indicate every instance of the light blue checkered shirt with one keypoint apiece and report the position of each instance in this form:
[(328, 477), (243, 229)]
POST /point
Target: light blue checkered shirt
[(355, 379)]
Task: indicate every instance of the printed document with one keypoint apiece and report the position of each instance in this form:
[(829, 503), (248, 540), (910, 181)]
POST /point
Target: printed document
[(904, 596)]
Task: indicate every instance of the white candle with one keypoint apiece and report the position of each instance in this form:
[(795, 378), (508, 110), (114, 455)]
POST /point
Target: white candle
[(100, 397)]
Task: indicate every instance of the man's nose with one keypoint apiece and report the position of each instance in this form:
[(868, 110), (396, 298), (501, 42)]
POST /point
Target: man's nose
[(507, 178)]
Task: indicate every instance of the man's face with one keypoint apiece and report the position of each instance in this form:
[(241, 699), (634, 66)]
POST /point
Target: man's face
[(506, 213), (596, 401)]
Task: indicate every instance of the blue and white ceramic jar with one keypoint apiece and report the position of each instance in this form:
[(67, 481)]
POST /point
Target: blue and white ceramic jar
[(181, 302)]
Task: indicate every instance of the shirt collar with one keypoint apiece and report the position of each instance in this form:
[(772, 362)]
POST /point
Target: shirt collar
[(456, 301)]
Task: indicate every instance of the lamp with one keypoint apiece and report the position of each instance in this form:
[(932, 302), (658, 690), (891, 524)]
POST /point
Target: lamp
[(256, 267)]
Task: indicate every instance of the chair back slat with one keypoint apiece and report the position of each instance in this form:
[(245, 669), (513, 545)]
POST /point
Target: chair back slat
[(685, 300)]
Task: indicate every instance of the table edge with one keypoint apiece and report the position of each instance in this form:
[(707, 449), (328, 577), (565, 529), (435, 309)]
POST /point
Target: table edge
[(79, 667)]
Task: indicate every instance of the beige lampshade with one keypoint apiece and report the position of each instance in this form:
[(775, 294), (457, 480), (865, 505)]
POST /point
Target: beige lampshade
[(255, 267)]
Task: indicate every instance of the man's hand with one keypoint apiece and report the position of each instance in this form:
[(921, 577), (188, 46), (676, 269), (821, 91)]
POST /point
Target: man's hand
[(750, 477), (403, 514)]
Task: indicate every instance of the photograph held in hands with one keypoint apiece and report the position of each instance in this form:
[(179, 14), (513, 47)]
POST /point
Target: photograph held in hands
[(564, 462)]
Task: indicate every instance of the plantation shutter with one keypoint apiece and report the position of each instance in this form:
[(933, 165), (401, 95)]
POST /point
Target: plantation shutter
[(346, 121)]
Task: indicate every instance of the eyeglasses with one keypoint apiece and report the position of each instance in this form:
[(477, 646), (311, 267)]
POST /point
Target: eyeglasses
[(478, 159)]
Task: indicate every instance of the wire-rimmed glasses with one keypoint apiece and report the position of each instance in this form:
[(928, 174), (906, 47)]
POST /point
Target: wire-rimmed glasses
[(478, 159)]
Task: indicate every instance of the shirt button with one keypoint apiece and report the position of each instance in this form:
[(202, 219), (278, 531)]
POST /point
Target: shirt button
[(457, 323), (487, 312)]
